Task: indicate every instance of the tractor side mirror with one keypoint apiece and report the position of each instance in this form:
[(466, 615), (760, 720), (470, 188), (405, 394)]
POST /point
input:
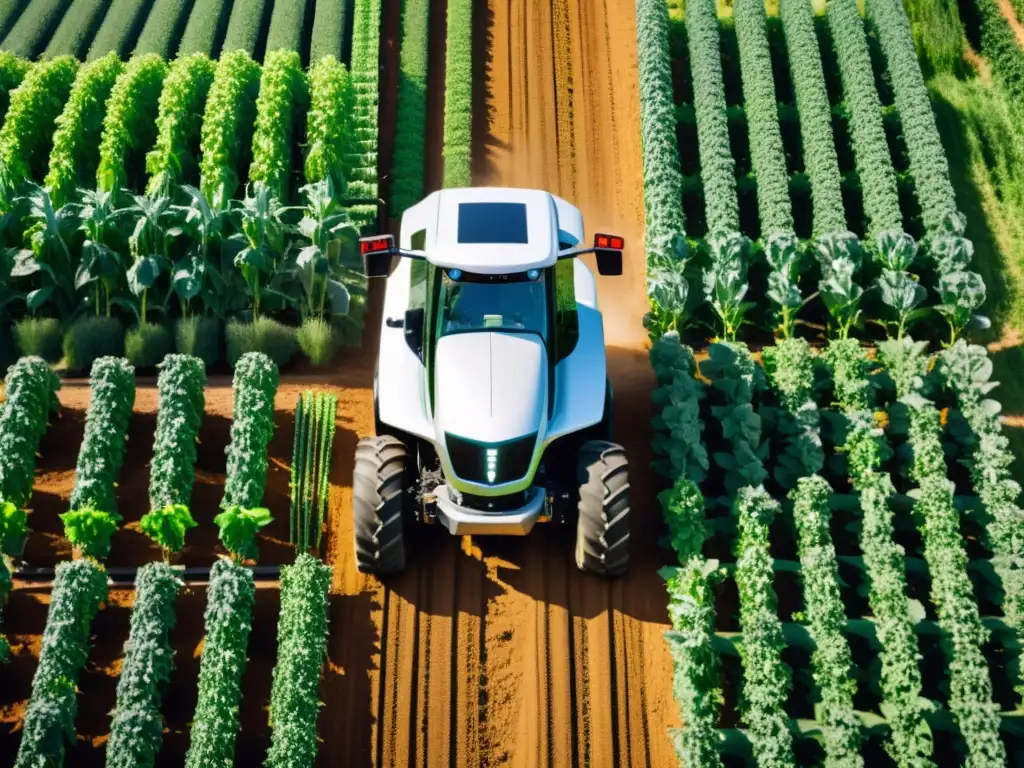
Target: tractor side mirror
[(377, 251), (609, 262), (414, 329)]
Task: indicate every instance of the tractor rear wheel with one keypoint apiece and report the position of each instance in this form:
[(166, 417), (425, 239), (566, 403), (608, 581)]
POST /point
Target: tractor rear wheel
[(380, 496), (602, 528)]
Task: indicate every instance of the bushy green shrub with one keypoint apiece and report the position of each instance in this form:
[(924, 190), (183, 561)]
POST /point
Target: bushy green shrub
[(328, 35), (136, 729), (31, 393), (365, 71), (316, 340), (90, 338), (76, 137), (301, 650), (208, 19), (663, 180), (12, 72), (286, 26), (180, 414), (79, 587), (179, 123), (162, 27), (121, 23), (265, 335), (330, 124), (112, 397), (199, 337), (39, 336), (147, 344), (129, 129), (244, 25), (76, 28), (252, 426), (411, 109), (284, 96)]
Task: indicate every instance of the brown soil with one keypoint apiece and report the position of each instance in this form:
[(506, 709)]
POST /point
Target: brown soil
[(1011, 18)]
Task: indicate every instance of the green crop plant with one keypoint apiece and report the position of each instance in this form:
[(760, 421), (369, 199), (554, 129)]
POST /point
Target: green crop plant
[(301, 651), (365, 71), (328, 35), (34, 27), (725, 281), (76, 137), (136, 728), (411, 109), (25, 138), (790, 370), (819, 151), (244, 26), (762, 111), (330, 124), (767, 680), (717, 168), (227, 126), (167, 527), (677, 441), (283, 98), (697, 678), (121, 23), (76, 29), (871, 149), (663, 180), (174, 158), (12, 72), (832, 659), (840, 256), (179, 415), (30, 390), (952, 592), (315, 417), (928, 163), (162, 27), (736, 380), (207, 19), (238, 528), (79, 588), (129, 130), (967, 371), (286, 27), (867, 449), (255, 384), (458, 95), (230, 598), (112, 388)]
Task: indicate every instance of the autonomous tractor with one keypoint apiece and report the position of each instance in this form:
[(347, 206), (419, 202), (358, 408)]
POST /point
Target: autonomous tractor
[(492, 402)]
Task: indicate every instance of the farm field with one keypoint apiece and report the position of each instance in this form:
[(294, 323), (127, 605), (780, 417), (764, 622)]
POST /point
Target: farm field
[(825, 559)]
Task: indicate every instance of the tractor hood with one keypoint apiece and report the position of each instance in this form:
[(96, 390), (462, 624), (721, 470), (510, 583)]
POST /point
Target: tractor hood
[(490, 387)]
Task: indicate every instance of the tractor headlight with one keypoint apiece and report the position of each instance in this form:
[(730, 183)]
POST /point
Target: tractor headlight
[(533, 274), (454, 274)]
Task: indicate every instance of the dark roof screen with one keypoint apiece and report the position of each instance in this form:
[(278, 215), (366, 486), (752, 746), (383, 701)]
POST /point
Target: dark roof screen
[(492, 223)]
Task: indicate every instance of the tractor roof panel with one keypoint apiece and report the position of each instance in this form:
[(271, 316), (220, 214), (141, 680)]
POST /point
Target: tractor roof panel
[(493, 229)]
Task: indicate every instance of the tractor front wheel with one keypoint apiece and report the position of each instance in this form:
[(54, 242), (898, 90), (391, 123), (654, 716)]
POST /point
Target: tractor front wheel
[(379, 488), (602, 528)]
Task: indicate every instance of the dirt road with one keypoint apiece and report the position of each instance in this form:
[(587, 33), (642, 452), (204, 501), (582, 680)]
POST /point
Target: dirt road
[(489, 652)]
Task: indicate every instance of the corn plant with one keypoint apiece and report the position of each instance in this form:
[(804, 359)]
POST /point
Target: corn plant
[(31, 394), (79, 588), (129, 130), (47, 263), (832, 659), (315, 416), (179, 417), (301, 650), (228, 621), (136, 729), (76, 136), (260, 244), (173, 159), (255, 384), (952, 592)]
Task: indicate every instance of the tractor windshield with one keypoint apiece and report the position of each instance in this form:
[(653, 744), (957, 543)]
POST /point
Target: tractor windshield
[(513, 303)]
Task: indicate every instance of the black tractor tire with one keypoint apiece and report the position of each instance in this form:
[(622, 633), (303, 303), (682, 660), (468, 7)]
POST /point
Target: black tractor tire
[(379, 504), (602, 527)]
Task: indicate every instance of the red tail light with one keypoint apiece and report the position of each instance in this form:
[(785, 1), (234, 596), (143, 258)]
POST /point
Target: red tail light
[(609, 241), (376, 243)]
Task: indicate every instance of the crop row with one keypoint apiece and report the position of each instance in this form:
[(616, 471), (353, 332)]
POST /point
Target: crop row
[(311, 462), (80, 585)]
